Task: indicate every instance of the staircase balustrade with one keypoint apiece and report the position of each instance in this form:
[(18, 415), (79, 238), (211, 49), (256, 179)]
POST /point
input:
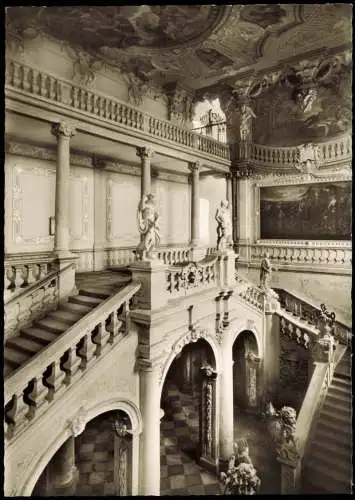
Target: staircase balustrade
[(307, 312), (43, 85), (312, 403), (22, 271), (192, 277), (36, 300), (40, 381), (254, 296), (304, 254)]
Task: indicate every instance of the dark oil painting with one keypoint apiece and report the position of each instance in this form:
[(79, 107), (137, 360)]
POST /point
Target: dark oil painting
[(320, 211)]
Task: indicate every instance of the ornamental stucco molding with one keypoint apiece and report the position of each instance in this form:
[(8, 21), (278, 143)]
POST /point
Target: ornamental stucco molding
[(344, 174)]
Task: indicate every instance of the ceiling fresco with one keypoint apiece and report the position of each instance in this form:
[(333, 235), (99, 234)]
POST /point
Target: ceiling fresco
[(279, 120), (197, 45)]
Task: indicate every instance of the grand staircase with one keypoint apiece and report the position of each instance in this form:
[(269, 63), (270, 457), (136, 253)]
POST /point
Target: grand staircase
[(328, 463), (94, 288)]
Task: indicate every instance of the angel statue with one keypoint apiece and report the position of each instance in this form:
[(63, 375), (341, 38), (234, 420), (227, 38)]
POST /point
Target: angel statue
[(148, 226), (224, 226), (246, 114)]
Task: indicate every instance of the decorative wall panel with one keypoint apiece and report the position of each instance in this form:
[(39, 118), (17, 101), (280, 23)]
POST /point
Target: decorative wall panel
[(174, 210), (317, 212), (81, 211), (122, 198), (29, 203)]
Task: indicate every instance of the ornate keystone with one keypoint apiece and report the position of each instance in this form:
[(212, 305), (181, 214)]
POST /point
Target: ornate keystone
[(63, 129), (78, 423)]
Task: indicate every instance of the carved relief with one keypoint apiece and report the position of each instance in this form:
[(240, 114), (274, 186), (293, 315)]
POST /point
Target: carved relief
[(78, 423)]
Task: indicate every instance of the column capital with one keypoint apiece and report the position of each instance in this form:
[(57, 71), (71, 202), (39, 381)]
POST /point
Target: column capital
[(194, 166), (144, 152), (63, 129)]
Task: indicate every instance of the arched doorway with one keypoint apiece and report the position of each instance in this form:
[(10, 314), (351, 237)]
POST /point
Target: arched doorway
[(188, 425), (98, 462), (246, 372)]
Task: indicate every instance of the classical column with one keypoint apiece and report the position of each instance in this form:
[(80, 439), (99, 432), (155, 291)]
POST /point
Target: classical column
[(270, 376), (63, 133), (150, 444), (63, 470), (245, 215), (226, 429), (194, 168), (229, 194), (145, 154)]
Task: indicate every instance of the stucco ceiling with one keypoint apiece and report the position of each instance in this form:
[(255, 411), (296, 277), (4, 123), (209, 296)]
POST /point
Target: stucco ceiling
[(195, 45)]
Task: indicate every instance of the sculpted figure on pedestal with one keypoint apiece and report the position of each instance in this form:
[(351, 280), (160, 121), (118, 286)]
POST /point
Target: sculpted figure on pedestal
[(246, 114), (265, 273), (148, 226), (224, 226)]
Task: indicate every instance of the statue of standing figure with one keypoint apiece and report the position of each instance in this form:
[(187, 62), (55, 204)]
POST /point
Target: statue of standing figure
[(224, 226), (148, 226), (265, 273)]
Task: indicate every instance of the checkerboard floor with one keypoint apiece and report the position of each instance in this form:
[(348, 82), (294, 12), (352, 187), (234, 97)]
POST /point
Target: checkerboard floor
[(179, 472)]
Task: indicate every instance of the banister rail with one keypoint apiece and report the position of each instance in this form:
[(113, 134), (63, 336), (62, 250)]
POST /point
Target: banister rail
[(44, 85), (36, 383)]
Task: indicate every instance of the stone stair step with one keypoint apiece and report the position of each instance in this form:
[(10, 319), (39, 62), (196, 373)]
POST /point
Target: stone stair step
[(344, 408), (323, 445), (8, 368), (334, 415), (25, 345), (330, 426), (342, 382), (68, 317), (329, 477), (96, 292), (39, 335), (14, 356), (75, 308), (339, 395), (340, 443), (85, 300), (52, 325), (329, 470), (342, 466)]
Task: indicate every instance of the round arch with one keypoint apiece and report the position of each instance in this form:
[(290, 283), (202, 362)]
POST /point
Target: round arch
[(88, 413), (183, 341), (256, 334)]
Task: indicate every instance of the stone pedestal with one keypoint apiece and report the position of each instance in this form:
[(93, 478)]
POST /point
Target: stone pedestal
[(290, 477), (152, 275), (67, 277), (197, 254), (226, 268)]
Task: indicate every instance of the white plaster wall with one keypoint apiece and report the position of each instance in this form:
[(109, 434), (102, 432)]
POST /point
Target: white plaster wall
[(122, 198), (54, 59), (213, 189), (173, 201), (331, 289), (29, 203), (81, 208)]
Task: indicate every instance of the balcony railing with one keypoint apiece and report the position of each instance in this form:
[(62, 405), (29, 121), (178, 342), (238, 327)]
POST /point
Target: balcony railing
[(43, 85)]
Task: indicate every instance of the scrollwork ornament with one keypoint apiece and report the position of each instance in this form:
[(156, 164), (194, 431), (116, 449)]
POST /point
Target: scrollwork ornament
[(63, 129), (78, 423)]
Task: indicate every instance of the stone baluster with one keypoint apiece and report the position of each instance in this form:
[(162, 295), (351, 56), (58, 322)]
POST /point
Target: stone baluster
[(19, 277), (70, 365), (113, 327), (35, 396), (86, 350), (100, 338), (15, 412), (54, 380)]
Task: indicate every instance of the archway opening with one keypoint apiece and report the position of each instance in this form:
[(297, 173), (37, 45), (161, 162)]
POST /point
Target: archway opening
[(98, 462), (183, 444), (244, 376)]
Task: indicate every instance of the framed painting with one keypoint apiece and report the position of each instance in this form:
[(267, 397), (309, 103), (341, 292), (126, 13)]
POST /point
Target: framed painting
[(320, 211)]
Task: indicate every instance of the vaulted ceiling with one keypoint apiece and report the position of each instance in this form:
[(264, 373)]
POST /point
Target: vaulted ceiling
[(208, 48), (196, 45)]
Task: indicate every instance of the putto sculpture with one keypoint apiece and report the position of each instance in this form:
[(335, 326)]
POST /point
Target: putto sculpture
[(224, 226), (241, 477), (148, 226)]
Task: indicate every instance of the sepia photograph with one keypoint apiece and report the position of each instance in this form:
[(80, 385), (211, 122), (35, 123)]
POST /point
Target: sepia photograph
[(178, 250)]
